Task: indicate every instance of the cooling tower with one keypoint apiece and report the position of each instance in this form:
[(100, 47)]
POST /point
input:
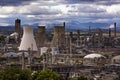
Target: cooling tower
[(59, 36), (28, 40), (41, 36)]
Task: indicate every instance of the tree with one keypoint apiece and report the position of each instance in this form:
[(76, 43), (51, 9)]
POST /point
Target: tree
[(48, 75), (1, 76), (10, 73), (25, 75), (34, 75), (82, 78), (2, 38), (14, 73)]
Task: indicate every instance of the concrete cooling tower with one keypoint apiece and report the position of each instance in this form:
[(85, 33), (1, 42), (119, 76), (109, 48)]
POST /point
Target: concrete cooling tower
[(59, 36), (28, 40), (41, 36)]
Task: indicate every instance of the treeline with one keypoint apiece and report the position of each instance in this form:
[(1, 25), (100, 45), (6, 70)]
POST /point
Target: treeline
[(13, 73)]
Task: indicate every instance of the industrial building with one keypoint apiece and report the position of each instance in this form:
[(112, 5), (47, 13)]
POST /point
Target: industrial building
[(94, 54)]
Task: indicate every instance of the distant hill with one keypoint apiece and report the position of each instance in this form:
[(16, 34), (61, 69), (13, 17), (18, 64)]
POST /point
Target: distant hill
[(71, 26), (6, 28)]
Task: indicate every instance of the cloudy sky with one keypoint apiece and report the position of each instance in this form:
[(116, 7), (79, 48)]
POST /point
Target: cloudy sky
[(48, 12)]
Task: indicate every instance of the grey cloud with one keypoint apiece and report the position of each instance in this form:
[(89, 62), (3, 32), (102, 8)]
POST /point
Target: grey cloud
[(87, 12), (101, 2), (106, 2), (89, 9), (42, 12), (78, 1), (45, 12), (13, 2)]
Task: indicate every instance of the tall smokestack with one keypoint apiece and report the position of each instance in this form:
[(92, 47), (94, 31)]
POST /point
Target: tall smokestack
[(89, 29), (109, 32), (64, 24), (100, 33), (114, 29), (18, 27), (78, 34), (78, 37), (71, 34)]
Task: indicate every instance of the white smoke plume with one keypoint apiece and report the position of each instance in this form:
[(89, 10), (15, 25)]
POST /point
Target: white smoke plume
[(111, 26)]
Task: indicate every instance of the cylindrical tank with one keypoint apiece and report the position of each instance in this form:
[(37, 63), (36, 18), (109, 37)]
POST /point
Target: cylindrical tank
[(43, 50)]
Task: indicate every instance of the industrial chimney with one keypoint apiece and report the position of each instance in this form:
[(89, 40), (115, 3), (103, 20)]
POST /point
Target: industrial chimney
[(71, 35), (109, 32), (100, 33), (114, 29), (18, 27), (64, 24), (78, 33)]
